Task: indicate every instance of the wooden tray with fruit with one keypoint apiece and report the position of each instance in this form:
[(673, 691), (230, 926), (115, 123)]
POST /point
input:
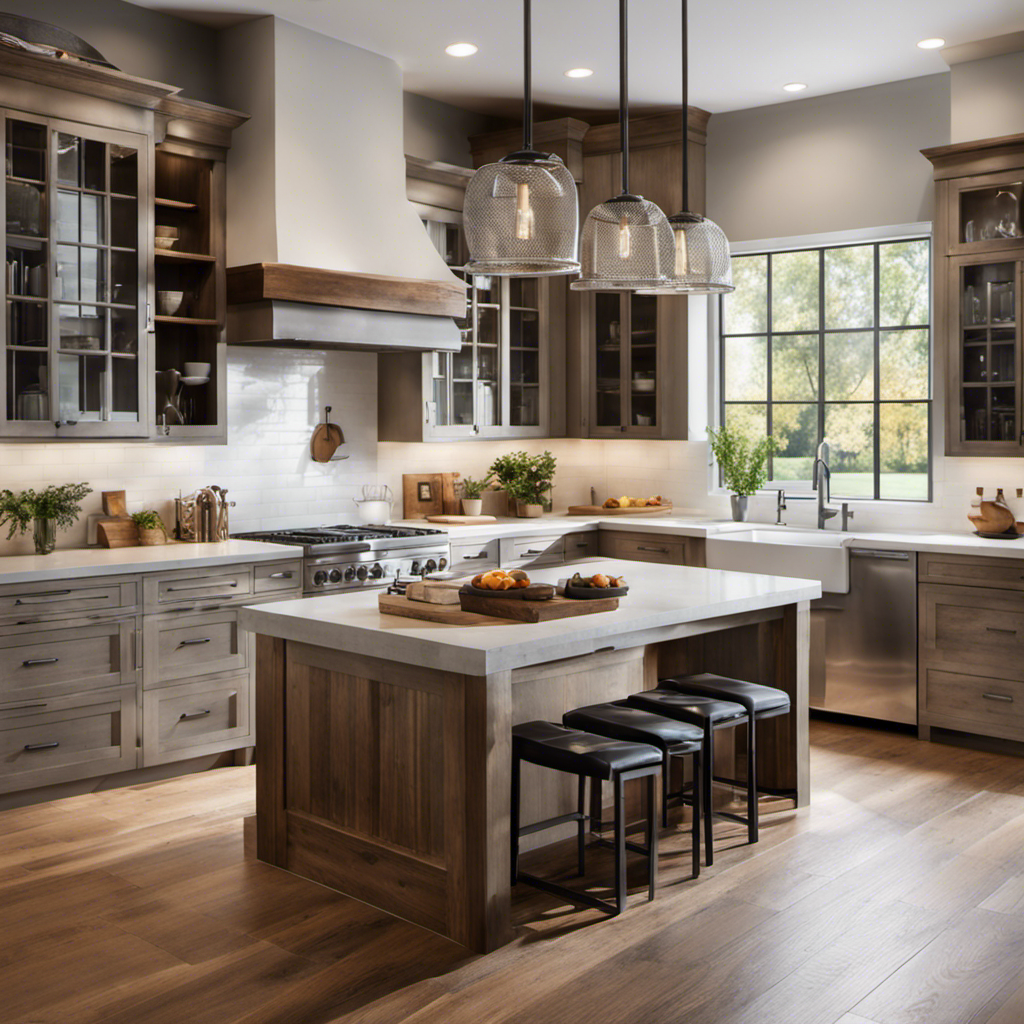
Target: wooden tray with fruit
[(514, 585), (624, 506)]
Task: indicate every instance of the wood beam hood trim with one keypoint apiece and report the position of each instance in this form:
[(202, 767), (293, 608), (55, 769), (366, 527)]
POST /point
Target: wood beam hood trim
[(262, 282)]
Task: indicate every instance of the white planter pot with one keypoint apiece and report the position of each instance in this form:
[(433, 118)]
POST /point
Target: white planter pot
[(472, 506)]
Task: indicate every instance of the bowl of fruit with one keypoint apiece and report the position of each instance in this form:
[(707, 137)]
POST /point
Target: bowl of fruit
[(589, 588), (515, 584)]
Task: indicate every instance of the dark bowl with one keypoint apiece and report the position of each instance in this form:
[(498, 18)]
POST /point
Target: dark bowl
[(593, 593)]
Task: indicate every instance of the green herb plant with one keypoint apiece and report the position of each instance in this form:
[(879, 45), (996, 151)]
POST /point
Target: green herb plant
[(527, 478), (475, 488), (744, 465), (61, 503), (148, 520)]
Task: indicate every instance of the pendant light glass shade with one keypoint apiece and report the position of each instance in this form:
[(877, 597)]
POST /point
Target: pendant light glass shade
[(521, 217), (627, 242), (701, 261), (627, 245)]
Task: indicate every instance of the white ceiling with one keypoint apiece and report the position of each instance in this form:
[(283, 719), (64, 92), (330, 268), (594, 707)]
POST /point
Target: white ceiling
[(741, 51)]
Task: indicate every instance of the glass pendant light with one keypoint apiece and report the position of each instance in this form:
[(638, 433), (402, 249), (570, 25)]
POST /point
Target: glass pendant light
[(521, 215), (627, 242), (702, 265)]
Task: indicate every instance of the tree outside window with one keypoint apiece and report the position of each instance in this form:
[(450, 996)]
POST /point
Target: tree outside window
[(834, 343)]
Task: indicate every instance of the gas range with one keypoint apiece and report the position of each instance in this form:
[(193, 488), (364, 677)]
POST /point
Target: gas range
[(351, 557)]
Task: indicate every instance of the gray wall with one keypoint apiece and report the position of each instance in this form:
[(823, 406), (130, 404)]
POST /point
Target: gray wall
[(829, 163), (138, 41), (437, 131), (987, 98)]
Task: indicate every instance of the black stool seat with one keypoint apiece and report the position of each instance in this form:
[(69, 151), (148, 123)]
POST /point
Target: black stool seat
[(763, 701), (686, 707), (623, 722), (581, 753)]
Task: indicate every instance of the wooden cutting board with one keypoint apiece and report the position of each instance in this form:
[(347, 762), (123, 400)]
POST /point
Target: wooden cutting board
[(600, 510), (117, 533), (462, 520), (434, 593), (448, 614), (558, 607)]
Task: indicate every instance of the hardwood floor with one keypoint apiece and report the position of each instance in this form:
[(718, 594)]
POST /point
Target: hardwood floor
[(897, 897)]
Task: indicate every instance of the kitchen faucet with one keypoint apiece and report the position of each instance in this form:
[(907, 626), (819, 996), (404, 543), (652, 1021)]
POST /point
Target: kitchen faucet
[(820, 481)]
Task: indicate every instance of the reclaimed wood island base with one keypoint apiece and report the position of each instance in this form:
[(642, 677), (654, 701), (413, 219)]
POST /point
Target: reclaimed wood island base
[(384, 744)]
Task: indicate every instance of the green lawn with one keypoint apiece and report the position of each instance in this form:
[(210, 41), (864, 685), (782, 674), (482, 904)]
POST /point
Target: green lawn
[(895, 486)]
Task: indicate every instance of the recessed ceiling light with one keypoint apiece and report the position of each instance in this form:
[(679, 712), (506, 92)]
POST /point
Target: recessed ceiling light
[(461, 49), (935, 43), (795, 86), (578, 73)]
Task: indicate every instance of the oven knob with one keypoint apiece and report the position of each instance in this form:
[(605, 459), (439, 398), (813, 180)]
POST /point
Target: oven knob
[(320, 578), (335, 575), (376, 572), (442, 562), (416, 569), (361, 572), (350, 574), (431, 566)]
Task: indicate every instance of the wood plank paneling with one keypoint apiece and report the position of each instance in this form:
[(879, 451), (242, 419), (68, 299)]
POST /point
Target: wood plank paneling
[(270, 754)]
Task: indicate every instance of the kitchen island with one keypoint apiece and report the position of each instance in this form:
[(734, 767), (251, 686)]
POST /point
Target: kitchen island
[(383, 756)]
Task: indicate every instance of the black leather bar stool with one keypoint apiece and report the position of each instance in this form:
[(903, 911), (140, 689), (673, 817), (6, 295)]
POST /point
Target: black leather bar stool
[(586, 756), (620, 721), (710, 715), (759, 702)]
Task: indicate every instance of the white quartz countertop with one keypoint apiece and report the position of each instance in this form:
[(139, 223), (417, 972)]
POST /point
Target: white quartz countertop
[(76, 563), (663, 599)]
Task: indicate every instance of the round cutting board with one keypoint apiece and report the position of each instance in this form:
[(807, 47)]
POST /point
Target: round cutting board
[(325, 441)]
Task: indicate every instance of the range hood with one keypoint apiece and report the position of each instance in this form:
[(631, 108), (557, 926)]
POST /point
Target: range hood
[(323, 248)]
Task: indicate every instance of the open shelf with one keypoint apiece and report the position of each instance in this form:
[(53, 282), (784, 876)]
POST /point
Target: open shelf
[(187, 321), (176, 204), (173, 256)]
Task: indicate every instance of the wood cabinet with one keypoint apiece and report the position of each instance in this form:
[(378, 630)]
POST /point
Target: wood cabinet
[(668, 549), (499, 385), (979, 274), (970, 645), (95, 312)]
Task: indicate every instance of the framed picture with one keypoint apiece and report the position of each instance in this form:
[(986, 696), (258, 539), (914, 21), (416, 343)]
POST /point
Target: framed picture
[(424, 491)]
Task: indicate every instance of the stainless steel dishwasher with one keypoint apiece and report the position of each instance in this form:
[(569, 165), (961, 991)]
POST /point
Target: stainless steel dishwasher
[(870, 639)]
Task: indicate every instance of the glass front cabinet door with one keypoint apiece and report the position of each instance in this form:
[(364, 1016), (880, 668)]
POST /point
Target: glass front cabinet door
[(75, 288)]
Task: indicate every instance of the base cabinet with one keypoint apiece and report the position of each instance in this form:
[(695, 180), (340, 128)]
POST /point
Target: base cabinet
[(668, 549)]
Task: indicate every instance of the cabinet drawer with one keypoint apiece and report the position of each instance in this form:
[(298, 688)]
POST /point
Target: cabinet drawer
[(196, 719), (997, 573), (198, 586), (537, 550), (270, 577), (973, 627), (476, 556), (644, 548), (40, 602), (580, 545), (50, 662), (972, 703), (184, 645), (68, 738)]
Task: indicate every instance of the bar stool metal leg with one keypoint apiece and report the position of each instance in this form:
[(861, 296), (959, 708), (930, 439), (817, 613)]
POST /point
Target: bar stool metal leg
[(652, 837), (514, 819), (698, 784), (620, 842), (752, 822), (708, 800), (581, 826)]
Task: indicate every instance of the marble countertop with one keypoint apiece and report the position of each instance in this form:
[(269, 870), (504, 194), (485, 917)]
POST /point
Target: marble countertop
[(76, 563), (662, 600)]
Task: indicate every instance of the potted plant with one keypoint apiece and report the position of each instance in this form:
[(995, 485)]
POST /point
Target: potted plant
[(472, 494), (744, 465), (151, 528), (527, 479), (56, 506)]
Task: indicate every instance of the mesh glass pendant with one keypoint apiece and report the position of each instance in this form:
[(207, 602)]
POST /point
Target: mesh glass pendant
[(701, 261), (627, 245), (627, 242), (521, 217)]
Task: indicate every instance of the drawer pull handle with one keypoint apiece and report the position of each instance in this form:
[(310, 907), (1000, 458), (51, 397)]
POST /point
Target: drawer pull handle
[(187, 716), (40, 661), (37, 598), (534, 551), (280, 576), (52, 745), (998, 696), (659, 551), (473, 558), (198, 586), (996, 629), (194, 642), (24, 707)]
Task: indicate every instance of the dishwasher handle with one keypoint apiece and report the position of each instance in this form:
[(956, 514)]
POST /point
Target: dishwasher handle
[(893, 556)]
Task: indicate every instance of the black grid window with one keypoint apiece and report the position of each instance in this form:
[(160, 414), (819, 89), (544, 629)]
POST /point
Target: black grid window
[(834, 343)]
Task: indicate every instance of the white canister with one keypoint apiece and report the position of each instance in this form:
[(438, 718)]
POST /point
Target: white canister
[(373, 513)]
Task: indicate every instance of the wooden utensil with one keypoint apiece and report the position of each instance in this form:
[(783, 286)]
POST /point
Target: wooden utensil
[(326, 439), (461, 520), (115, 504), (433, 593), (600, 510)]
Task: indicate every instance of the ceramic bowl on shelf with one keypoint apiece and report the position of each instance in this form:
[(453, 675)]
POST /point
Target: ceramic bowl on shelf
[(165, 231), (169, 303), (164, 243), (197, 369)]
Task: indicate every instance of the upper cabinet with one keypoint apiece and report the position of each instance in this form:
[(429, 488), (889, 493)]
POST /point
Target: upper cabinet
[(498, 385), (101, 316), (979, 274), (76, 286)]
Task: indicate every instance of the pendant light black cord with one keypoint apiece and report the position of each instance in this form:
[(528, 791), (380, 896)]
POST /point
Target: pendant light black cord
[(527, 77), (624, 92), (686, 116)]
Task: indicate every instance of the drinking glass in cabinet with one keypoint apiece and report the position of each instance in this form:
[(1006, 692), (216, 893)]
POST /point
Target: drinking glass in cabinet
[(1002, 302), (26, 209), (525, 410), (487, 413), (991, 212), (487, 363)]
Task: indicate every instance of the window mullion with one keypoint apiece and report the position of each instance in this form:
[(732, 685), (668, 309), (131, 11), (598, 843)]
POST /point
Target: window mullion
[(769, 342), (821, 349), (877, 445)]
